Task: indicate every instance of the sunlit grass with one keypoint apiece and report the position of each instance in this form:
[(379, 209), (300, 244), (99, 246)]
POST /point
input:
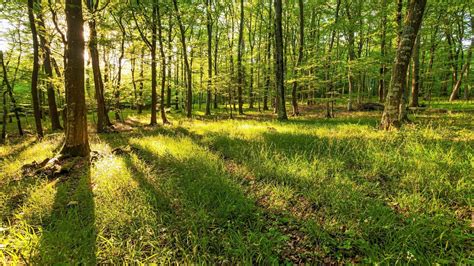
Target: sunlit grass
[(249, 191)]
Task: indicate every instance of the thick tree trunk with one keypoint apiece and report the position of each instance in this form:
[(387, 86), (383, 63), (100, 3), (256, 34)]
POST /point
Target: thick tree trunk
[(415, 84), (34, 75), (189, 92), (390, 117), (279, 63), (76, 139), (53, 109)]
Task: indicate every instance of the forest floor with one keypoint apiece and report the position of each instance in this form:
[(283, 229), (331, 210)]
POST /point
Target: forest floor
[(248, 190)]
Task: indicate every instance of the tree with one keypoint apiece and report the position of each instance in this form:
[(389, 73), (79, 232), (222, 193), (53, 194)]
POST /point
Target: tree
[(209, 57), (152, 47), (294, 96), (187, 68), (240, 70), (465, 68), (163, 66), (415, 84), (279, 63), (390, 116), (45, 47), (76, 141), (102, 116), (35, 72)]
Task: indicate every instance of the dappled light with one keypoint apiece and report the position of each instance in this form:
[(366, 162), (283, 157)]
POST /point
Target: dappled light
[(247, 132)]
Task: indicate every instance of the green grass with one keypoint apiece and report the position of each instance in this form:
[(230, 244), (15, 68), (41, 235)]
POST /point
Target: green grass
[(249, 190)]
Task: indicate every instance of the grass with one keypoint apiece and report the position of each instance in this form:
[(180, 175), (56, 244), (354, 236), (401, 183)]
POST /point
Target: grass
[(249, 190)]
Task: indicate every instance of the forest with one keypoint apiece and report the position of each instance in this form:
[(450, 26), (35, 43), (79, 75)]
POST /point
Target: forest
[(236, 132)]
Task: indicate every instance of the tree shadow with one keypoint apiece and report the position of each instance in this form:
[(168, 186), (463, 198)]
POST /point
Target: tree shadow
[(69, 233), (207, 214), (367, 224)]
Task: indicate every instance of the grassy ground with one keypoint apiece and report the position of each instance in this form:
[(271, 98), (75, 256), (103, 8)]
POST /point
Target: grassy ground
[(249, 190)]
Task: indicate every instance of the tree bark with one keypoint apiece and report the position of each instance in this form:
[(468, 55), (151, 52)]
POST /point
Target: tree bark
[(209, 57), (465, 69), (163, 66), (154, 95), (381, 88), (268, 59), (189, 92), (390, 117), (45, 46), (240, 74), (279, 64), (76, 139), (294, 92), (10, 93), (34, 75), (415, 83), (102, 116)]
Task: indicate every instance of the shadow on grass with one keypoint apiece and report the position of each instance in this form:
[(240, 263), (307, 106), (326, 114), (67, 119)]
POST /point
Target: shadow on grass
[(210, 218), (69, 233), (359, 221)]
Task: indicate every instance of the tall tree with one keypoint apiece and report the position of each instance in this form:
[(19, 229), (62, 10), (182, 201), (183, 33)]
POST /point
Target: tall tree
[(34, 75), (415, 76), (45, 47), (76, 141), (152, 47), (390, 116), (294, 95), (102, 116), (209, 57), (187, 68), (279, 63), (383, 34), (163, 66), (465, 69), (240, 70)]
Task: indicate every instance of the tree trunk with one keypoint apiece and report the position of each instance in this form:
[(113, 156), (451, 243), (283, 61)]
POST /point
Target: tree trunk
[(53, 109), (279, 64), (170, 52), (154, 96), (140, 85), (415, 84), (34, 75), (102, 117), (465, 68), (209, 57), (189, 92), (163, 66), (350, 38), (268, 58), (294, 92), (381, 89), (76, 139), (390, 117), (118, 117), (240, 74), (10, 93)]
